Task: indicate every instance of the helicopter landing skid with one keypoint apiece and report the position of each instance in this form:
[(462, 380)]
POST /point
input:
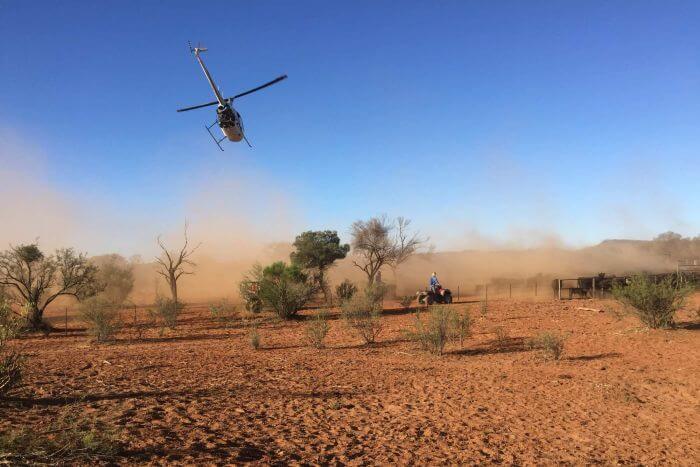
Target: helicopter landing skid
[(217, 141)]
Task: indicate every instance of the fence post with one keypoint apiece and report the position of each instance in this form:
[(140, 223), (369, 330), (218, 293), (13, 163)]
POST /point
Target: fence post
[(559, 284), (457, 293), (487, 293), (593, 286), (510, 290), (535, 288), (66, 321)]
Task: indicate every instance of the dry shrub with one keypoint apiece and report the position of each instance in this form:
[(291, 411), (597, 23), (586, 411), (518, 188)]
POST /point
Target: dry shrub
[(10, 362), (464, 326), (502, 337), (223, 312), (166, 312), (70, 438), (248, 289), (362, 313), (254, 336), (101, 316), (345, 291), (139, 327), (316, 329), (550, 343), (406, 301), (484, 308), (10, 372), (655, 303), (442, 325), (375, 293)]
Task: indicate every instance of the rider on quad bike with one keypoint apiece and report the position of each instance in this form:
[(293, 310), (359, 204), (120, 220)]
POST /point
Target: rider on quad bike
[(435, 293), (435, 283)]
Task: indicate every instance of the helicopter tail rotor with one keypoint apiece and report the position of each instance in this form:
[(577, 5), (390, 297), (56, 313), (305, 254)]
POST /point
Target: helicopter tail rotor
[(196, 50)]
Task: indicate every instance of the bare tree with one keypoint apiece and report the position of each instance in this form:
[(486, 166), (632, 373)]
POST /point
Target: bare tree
[(406, 243), (174, 264), (35, 280), (380, 242)]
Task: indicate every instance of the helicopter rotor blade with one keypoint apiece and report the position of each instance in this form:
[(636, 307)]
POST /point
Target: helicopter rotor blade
[(197, 106), (270, 83)]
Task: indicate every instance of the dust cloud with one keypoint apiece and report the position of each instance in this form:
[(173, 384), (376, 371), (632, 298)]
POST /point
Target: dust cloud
[(241, 219)]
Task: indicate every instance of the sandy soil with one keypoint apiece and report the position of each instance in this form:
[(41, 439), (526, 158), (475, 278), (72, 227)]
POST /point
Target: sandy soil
[(201, 394)]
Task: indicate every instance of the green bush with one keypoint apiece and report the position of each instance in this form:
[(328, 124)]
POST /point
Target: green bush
[(442, 325), (655, 303), (550, 343), (362, 313), (283, 288), (345, 291), (101, 316), (316, 329)]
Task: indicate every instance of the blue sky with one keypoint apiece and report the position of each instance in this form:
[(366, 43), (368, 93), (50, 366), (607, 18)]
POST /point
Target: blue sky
[(482, 121)]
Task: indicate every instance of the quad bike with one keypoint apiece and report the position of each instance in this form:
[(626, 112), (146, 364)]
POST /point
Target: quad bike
[(440, 295)]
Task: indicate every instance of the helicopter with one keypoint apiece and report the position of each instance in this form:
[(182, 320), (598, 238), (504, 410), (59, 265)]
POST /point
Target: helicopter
[(228, 119)]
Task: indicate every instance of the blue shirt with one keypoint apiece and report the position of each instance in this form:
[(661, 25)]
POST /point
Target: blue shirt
[(433, 281)]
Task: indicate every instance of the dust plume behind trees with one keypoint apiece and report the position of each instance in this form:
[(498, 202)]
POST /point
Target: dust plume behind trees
[(217, 277)]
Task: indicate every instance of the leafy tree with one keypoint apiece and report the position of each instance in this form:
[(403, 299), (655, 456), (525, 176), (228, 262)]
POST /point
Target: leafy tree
[(380, 242), (316, 251), (36, 280)]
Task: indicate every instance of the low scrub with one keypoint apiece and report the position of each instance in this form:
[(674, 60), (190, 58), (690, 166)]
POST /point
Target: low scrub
[(249, 290), (254, 337), (316, 329), (224, 312), (10, 323), (10, 362), (101, 317), (550, 343), (71, 438), (166, 312), (345, 291), (654, 302), (441, 325), (362, 313), (376, 292), (502, 336), (10, 372), (406, 301)]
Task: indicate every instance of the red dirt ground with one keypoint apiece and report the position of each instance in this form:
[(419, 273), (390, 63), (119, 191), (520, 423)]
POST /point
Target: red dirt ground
[(202, 395)]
